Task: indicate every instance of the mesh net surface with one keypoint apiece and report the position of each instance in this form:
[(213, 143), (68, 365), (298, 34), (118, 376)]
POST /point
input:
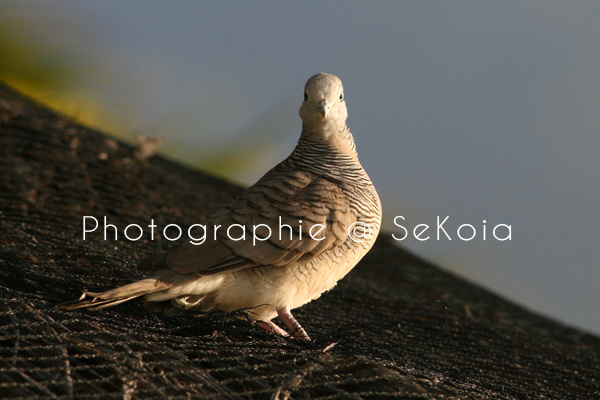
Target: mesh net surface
[(395, 327)]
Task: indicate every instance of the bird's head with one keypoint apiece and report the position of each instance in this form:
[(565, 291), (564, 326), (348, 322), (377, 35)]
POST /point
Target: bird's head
[(323, 110)]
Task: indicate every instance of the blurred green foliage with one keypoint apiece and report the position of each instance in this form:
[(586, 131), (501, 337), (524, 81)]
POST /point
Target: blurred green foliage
[(47, 56), (38, 65)]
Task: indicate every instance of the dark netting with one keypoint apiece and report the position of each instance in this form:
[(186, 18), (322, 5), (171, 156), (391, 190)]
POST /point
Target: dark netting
[(395, 327)]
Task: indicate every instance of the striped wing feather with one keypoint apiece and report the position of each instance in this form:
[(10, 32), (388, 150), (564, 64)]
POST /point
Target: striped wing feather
[(281, 199)]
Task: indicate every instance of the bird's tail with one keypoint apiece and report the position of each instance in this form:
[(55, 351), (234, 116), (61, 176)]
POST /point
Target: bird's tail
[(96, 301)]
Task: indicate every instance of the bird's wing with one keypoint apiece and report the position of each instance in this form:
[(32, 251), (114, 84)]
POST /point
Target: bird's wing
[(271, 214)]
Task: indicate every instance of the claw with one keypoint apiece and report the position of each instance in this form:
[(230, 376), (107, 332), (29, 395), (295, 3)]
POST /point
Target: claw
[(272, 327), (296, 330)]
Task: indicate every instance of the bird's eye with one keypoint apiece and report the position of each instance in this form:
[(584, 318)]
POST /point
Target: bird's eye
[(305, 97), (341, 96)]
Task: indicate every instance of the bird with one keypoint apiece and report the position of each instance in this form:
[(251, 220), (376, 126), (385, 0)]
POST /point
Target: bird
[(315, 214)]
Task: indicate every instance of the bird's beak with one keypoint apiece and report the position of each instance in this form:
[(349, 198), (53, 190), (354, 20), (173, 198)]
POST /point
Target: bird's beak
[(323, 108)]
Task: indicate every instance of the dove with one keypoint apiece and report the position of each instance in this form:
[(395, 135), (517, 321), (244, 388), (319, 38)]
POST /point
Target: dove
[(317, 214)]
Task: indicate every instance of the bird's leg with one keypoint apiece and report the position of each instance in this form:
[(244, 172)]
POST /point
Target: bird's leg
[(296, 330), (272, 327)]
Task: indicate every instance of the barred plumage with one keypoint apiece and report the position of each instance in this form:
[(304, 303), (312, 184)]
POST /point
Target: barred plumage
[(320, 185)]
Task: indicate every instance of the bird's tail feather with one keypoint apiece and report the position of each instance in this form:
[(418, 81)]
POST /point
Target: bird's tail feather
[(96, 301)]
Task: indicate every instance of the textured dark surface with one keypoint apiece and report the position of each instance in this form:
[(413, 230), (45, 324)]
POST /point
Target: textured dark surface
[(395, 327)]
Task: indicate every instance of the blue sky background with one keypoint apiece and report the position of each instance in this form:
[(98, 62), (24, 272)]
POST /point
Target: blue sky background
[(468, 109)]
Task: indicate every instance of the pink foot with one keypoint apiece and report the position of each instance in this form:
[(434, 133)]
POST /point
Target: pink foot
[(272, 327), (296, 330)]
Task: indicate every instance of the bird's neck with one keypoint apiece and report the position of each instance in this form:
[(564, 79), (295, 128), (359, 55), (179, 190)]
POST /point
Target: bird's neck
[(340, 139)]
